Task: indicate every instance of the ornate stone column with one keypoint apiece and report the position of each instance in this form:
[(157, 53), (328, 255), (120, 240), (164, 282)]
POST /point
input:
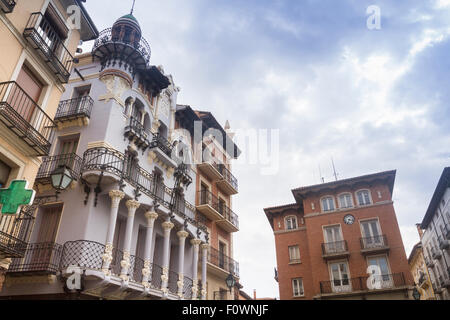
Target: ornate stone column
[(148, 258), (132, 206), (116, 196), (167, 226), (182, 235), (196, 244), (205, 247)]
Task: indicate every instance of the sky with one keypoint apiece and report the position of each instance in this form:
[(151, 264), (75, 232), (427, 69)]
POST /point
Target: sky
[(370, 99)]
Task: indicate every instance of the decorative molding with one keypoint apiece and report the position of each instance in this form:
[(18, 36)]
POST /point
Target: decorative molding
[(167, 225), (151, 215), (182, 234), (132, 205), (345, 210), (116, 196), (289, 231), (196, 242)]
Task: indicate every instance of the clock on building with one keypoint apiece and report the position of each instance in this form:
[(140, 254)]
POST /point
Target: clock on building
[(349, 219)]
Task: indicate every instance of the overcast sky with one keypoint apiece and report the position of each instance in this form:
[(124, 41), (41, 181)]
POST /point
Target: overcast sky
[(374, 100)]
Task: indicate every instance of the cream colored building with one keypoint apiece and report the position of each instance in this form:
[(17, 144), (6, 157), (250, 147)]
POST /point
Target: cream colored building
[(420, 273), (38, 39)]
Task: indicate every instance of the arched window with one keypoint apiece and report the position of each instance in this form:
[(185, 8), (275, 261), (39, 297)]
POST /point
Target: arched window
[(290, 223), (363, 197), (327, 203), (345, 200)]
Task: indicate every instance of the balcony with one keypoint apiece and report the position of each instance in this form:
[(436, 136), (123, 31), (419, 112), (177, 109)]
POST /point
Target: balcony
[(49, 164), (7, 6), (436, 254), (31, 128), (360, 285), (75, 111), (211, 170), (43, 37), (135, 132), (221, 264), (135, 53), (161, 148), (447, 231), (423, 281), (335, 250), (377, 244), (429, 262), (39, 259), (208, 205), (229, 182), (231, 221), (444, 244)]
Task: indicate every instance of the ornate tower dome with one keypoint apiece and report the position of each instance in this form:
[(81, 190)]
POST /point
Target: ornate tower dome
[(123, 45)]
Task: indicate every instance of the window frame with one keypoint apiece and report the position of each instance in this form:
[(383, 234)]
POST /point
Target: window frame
[(300, 287), (297, 253), (352, 205), (327, 197), (295, 226), (369, 195)]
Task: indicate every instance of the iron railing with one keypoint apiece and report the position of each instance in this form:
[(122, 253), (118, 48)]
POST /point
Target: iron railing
[(157, 272), (7, 6), (135, 130), (72, 108), (106, 37), (173, 279), (332, 248), (228, 176), (187, 288), (443, 243), (41, 34), (222, 261), (20, 113), (207, 197), (162, 143), (137, 264), (42, 258), (435, 253), (71, 161), (345, 285), (228, 214), (115, 266), (84, 254), (114, 162), (375, 242)]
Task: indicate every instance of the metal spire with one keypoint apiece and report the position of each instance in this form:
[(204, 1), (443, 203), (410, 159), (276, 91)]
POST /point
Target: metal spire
[(132, 8)]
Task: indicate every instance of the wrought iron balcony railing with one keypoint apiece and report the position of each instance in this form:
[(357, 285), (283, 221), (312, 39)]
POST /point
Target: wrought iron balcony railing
[(228, 214), (136, 131), (109, 45), (222, 261), (114, 162), (71, 161), (207, 197), (42, 36), (40, 258), (74, 108), (228, 176), (187, 288), (173, 279), (7, 6), (334, 248), (163, 144), (345, 285), (435, 253), (20, 113), (374, 243)]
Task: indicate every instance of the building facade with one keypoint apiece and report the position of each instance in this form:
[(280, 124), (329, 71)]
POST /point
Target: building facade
[(436, 237), (38, 41), (215, 185), (126, 226), (341, 240), (420, 273)]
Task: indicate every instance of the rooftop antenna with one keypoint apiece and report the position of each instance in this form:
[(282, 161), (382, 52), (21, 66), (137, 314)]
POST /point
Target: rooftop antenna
[(322, 179), (132, 8), (334, 169)]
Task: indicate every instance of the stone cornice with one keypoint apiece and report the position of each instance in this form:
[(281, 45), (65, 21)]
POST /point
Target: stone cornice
[(346, 210)]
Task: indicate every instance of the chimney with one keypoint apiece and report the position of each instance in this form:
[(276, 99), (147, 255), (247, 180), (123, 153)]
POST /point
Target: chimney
[(419, 230), (254, 294)]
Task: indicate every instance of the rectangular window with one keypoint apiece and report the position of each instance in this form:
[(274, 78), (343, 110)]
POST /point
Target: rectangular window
[(294, 254), (328, 204), (340, 279), (363, 198), (297, 287), (291, 223), (371, 233), (5, 171), (345, 201)]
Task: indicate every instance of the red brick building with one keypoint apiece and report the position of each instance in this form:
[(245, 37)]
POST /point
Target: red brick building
[(337, 235)]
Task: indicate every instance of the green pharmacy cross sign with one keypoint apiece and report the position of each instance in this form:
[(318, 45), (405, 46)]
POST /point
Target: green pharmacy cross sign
[(15, 196)]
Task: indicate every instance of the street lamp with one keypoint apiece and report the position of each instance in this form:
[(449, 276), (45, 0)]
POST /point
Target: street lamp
[(231, 282), (416, 294), (61, 178)]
